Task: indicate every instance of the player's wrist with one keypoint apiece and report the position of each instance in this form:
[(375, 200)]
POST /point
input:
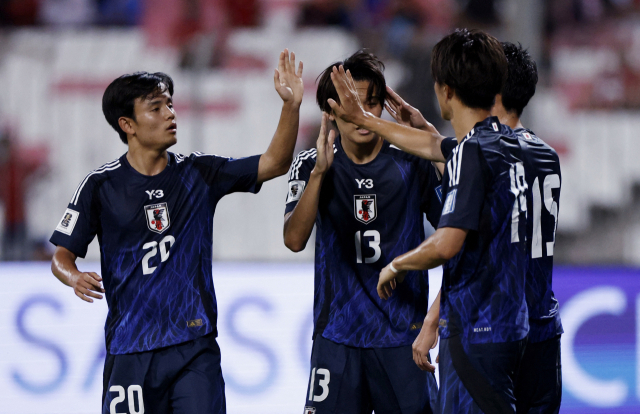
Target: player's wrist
[(292, 104)]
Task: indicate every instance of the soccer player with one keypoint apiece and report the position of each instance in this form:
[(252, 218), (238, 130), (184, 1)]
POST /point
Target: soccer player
[(152, 211), (539, 385), (482, 308), (367, 200)]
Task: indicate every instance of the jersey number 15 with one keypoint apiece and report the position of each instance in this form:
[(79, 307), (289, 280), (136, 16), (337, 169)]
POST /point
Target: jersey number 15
[(519, 187)]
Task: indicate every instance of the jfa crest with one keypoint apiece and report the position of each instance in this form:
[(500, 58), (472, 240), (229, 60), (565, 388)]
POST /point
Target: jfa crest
[(365, 207), (157, 217)]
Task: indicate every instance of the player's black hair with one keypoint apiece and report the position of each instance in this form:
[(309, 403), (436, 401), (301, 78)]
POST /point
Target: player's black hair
[(119, 97), (522, 79), (473, 63), (364, 66)]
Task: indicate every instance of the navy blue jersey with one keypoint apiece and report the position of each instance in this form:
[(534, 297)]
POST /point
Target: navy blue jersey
[(367, 215), (155, 235), (542, 170), (483, 289)]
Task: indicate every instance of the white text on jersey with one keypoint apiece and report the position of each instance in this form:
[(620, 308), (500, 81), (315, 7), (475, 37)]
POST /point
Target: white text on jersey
[(368, 183), (155, 193)]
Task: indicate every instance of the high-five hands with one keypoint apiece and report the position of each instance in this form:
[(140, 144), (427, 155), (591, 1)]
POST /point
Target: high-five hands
[(287, 81), (324, 144), (350, 108), (388, 280), (405, 114)]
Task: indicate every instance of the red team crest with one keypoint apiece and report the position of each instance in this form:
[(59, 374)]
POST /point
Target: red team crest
[(365, 207), (157, 217)]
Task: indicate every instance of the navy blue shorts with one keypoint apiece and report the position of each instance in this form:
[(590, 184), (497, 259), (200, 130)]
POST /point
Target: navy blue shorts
[(179, 379), (349, 380), (539, 387), (478, 378)]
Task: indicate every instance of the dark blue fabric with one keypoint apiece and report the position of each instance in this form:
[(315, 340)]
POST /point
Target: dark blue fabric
[(476, 375), (362, 380), (544, 179), (399, 189), (180, 379), (483, 289), (156, 270), (539, 385)]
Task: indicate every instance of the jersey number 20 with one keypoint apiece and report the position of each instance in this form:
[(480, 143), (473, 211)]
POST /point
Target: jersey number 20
[(164, 245)]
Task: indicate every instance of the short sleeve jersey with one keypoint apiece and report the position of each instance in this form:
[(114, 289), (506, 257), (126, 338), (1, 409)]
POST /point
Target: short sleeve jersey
[(542, 171), (483, 288), (155, 235), (367, 215)]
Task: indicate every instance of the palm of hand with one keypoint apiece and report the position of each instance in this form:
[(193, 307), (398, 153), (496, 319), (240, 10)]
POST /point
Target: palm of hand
[(290, 87)]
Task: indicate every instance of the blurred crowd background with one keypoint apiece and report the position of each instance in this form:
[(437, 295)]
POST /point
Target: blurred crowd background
[(57, 56)]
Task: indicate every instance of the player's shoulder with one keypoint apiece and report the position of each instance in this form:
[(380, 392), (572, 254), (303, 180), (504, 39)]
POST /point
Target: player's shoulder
[(199, 156), (96, 177), (305, 160), (396, 152)]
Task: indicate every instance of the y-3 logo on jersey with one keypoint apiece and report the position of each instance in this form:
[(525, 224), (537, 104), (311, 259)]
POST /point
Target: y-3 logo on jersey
[(157, 216), (155, 193), (365, 182)]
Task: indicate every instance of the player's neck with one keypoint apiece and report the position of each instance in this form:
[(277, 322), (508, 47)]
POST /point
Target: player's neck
[(465, 118), (508, 118), (147, 162), (362, 153)]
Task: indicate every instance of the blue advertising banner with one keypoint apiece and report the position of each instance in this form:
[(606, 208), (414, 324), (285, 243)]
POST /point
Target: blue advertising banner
[(600, 310), (52, 343)]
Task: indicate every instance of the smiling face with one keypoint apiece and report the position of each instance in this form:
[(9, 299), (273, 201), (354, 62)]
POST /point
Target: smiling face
[(154, 123), (350, 131)]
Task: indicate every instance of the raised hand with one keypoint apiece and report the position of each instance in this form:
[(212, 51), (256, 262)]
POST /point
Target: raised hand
[(287, 81), (350, 108), (387, 281), (405, 114), (324, 144)]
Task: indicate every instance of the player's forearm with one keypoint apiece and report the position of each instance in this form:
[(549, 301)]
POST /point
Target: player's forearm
[(433, 252), (433, 316), (418, 142), (63, 266), (277, 159), (299, 224)]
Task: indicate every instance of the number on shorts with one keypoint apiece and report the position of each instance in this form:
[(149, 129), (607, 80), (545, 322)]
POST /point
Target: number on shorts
[(324, 383), (133, 389)]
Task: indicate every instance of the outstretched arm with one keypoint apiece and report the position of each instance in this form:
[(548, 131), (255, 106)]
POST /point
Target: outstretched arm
[(84, 284), (298, 224), (288, 83), (445, 243), (422, 143)]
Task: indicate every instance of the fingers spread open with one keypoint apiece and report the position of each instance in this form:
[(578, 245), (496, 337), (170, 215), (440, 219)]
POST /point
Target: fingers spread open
[(300, 67)]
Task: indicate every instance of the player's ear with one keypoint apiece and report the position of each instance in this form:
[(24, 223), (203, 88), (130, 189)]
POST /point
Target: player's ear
[(126, 124), (332, 117), (448, 92)]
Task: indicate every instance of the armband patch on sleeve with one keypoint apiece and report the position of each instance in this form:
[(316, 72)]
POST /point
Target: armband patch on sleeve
[(68, 222), (450, 202), (296, 188)]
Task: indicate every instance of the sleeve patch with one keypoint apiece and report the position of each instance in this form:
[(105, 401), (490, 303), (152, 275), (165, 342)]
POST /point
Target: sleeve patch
[(68, 222), (296, 188), (450, 202)]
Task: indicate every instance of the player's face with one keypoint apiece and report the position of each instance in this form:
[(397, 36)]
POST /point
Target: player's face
[(442, 92), (155, 121), (351, 131)]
